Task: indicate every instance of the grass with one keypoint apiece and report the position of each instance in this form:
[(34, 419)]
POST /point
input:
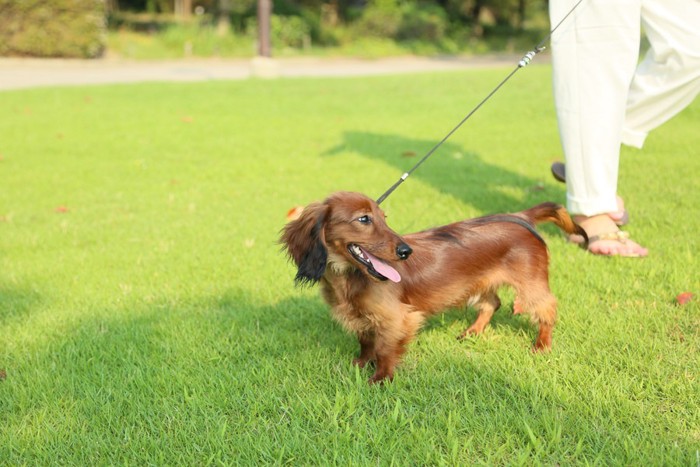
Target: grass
[(178, 41), (147, 315)]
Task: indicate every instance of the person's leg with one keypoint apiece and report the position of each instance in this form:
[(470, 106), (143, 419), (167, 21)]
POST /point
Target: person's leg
[(594, 56), (668, 79)]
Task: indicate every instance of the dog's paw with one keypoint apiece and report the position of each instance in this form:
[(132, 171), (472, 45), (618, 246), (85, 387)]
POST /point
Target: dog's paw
[(380, 379), (360, 362), (472, 330), (541, 347)]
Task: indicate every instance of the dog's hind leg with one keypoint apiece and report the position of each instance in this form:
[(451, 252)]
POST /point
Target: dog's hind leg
[(486, 307), (538, 301), (546, 314)]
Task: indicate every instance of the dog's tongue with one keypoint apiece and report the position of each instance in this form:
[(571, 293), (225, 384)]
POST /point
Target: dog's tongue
[(384, 269)]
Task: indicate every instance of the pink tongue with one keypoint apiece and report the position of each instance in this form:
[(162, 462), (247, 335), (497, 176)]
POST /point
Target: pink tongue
[(384, 269)]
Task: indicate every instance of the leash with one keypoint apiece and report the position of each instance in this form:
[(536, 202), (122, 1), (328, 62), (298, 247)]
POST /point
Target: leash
[(525, 61)]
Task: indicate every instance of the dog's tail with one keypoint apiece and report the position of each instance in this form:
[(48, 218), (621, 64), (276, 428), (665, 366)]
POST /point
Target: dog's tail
[(557, 214)]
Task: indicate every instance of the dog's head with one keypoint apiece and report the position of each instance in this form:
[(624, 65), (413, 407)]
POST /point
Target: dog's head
[(348, 230)]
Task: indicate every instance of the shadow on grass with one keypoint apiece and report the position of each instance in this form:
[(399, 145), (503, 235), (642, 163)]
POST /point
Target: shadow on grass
[(16, 302), (234, 377), (503, 318), (464, 175)]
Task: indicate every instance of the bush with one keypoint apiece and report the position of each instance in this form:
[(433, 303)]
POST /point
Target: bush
[(52, 28), (289, 31), (380, 18), (408, 21), (285, 31), (422, 22)]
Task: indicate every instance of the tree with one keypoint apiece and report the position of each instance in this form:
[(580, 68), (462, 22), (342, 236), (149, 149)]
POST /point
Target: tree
[(223, 17), (183, 8), (264, 14), (52, 28)]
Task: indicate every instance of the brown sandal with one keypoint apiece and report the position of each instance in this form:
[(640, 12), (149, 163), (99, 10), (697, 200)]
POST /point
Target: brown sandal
[(619, 236)]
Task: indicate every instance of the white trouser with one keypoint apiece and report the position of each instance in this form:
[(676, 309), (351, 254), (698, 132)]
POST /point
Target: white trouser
[(603, 98)]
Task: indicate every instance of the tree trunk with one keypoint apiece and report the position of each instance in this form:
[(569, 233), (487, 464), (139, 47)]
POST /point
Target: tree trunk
[(183, 8), (223, 18), (264, 13), (112, 6), (522, 5), (476, 10)]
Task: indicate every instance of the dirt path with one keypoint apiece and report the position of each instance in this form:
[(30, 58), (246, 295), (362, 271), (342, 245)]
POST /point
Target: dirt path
[(28, 73)]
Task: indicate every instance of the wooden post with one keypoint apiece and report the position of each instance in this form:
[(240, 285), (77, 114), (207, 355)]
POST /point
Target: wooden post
[(263, 65), (264, 13)]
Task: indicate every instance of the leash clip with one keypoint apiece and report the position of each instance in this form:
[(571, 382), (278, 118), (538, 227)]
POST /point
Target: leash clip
[(525, 61)]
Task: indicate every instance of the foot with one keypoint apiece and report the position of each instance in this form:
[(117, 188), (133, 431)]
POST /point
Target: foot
[(620, 217), (606, 239)]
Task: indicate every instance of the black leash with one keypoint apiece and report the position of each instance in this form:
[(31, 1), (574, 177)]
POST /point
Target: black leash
[(521, 64)]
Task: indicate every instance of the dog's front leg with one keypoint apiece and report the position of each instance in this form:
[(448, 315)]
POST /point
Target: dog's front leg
[(391, 341), (366, 340), (387, 358)]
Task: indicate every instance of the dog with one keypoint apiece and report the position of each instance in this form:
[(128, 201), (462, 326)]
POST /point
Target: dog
[(382, 286)]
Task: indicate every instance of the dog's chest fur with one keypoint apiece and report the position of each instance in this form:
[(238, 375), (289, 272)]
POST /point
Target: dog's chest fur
[(356, 303)]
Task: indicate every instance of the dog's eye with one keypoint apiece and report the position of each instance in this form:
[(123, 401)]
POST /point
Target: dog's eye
[(364, 220)]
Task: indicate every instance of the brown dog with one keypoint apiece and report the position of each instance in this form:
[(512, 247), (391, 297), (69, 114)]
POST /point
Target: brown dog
[(381, 286)]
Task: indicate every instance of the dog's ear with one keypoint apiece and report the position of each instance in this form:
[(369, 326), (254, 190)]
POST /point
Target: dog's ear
[(305, 242)]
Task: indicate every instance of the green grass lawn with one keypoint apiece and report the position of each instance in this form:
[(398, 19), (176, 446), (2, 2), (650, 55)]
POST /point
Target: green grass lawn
[(147, 315)]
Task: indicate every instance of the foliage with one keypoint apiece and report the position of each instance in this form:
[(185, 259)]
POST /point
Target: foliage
[(147, 37), (418, 28), (148, 28), (148, 317), (410, 21), (285, 31), (423, 22), (380, 18), (52, 28), (376, 28)]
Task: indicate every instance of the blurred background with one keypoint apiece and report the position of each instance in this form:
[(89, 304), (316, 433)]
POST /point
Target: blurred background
[(170, 29)]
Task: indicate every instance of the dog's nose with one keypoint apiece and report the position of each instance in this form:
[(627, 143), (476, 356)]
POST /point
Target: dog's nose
[(403, 251)]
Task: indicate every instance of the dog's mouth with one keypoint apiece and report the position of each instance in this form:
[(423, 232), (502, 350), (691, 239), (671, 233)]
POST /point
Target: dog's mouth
[(375, 266)]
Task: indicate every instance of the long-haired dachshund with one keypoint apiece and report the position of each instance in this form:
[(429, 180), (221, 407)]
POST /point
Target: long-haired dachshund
[(382, 286)]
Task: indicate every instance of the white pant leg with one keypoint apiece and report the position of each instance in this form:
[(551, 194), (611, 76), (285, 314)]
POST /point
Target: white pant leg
[(668, 79), (594, 55)]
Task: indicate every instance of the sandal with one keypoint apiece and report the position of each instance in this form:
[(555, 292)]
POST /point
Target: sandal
[(619, 236), (559, 173)]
